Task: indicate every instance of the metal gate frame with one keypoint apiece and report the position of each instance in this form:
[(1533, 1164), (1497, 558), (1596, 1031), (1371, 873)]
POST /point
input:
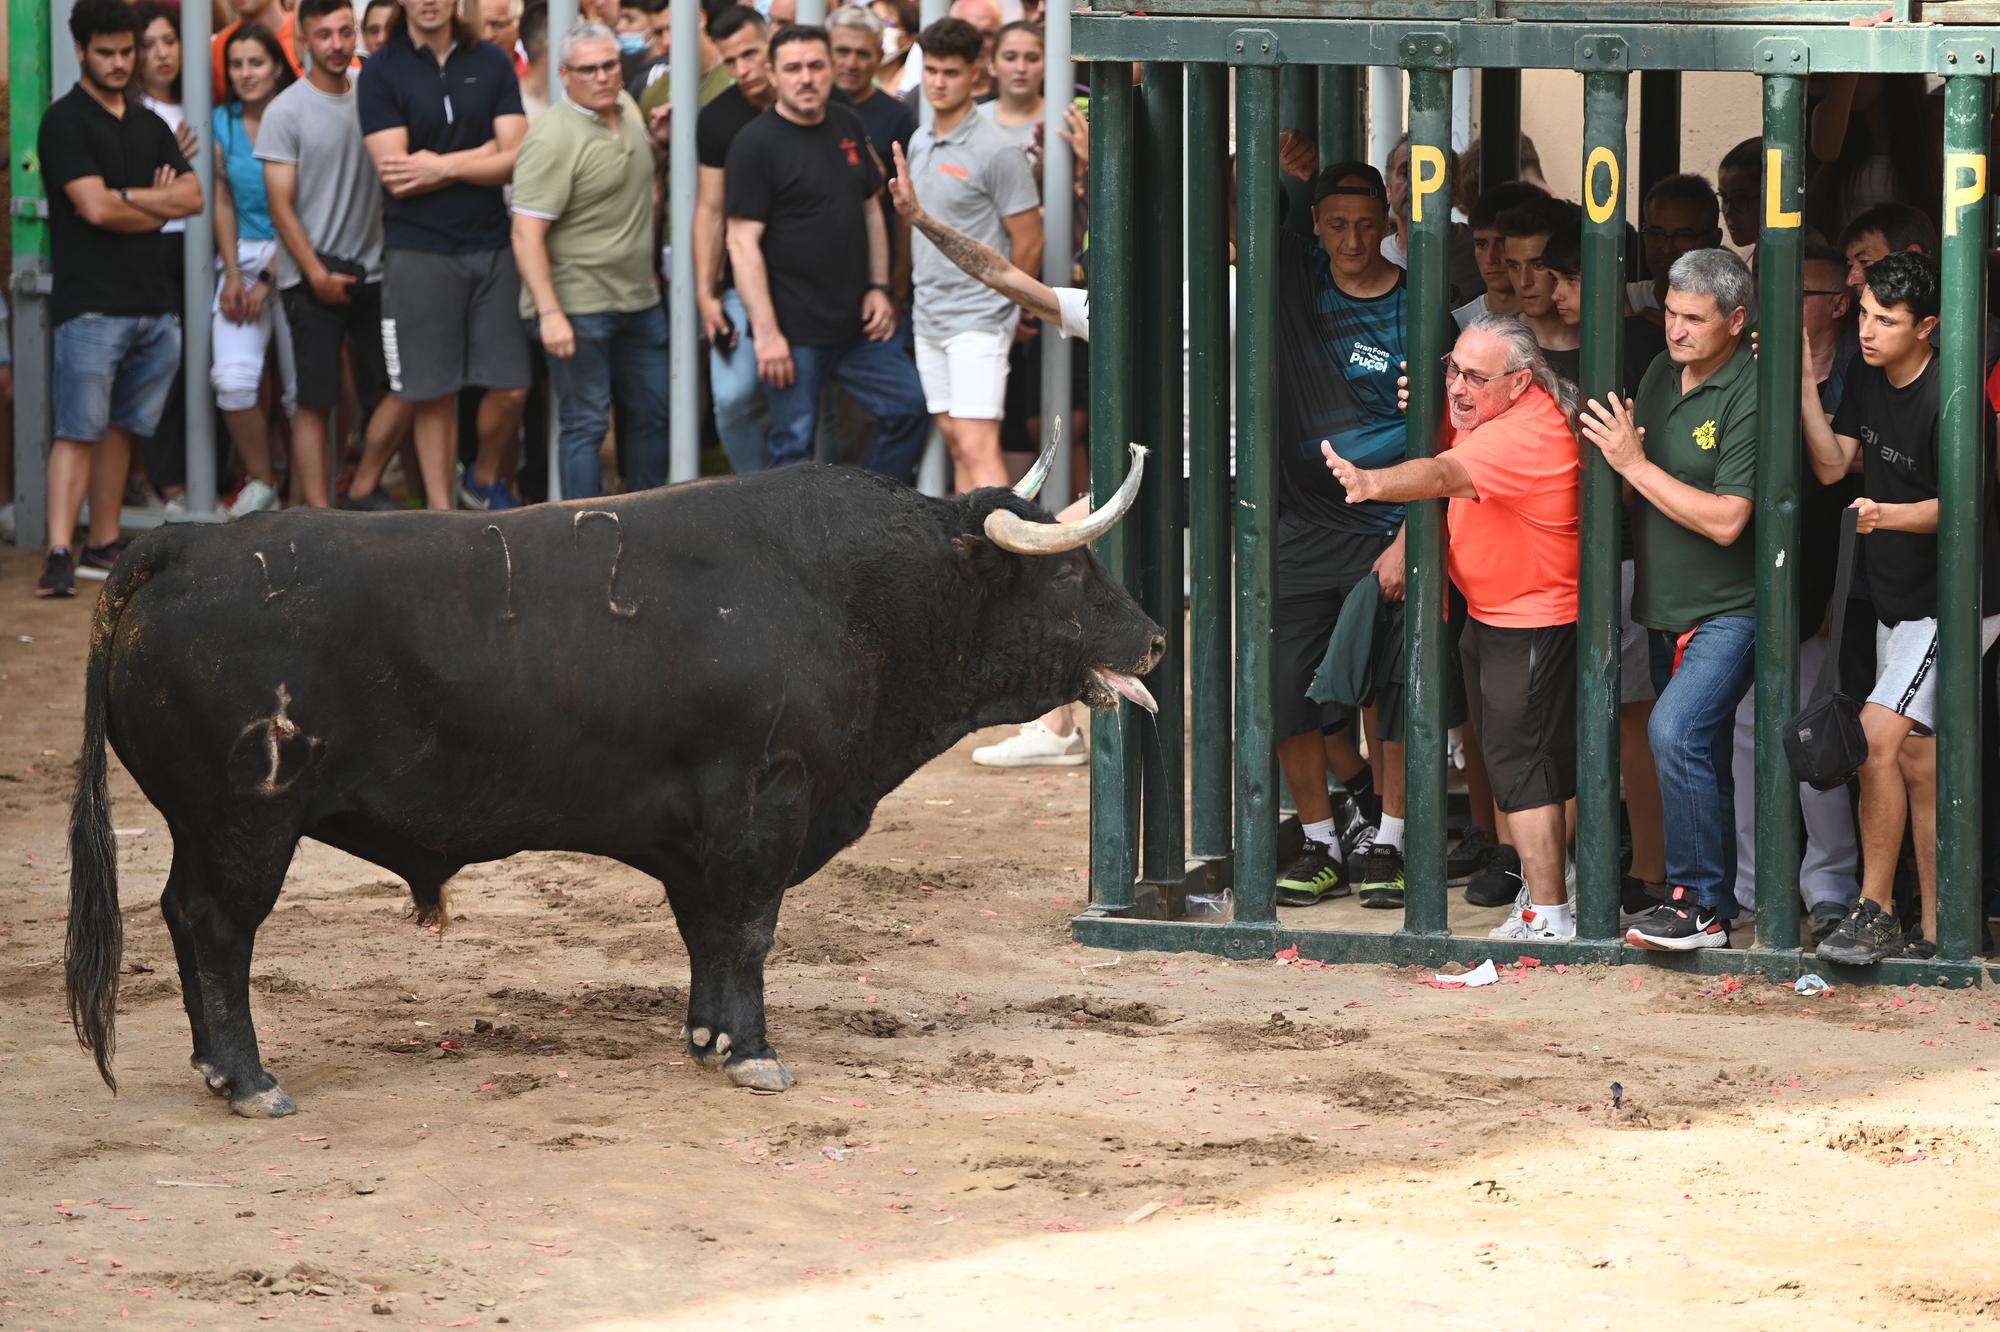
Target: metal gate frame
[(1283, 54)]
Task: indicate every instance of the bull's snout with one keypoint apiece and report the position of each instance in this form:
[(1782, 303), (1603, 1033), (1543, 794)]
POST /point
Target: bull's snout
[(1154, 651)]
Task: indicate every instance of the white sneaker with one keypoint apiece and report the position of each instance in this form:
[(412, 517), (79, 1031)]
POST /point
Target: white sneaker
[(1514, 927), (1538, 925), (1518, 924), (1034, 746), (255, 497), (175, 510)]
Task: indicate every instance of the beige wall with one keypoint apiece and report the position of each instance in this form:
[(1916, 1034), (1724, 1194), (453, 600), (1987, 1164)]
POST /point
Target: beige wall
[(1718, 111)]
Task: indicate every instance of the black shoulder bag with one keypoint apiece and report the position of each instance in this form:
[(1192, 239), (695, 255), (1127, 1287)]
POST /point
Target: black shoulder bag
[(1824, 742)]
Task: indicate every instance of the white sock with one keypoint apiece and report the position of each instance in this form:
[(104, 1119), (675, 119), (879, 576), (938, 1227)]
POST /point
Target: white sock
[(1390, 833), (1323, 833), (1561, 919)]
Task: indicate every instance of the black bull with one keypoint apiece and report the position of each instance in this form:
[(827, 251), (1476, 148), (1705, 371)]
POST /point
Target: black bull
[(715, 684)]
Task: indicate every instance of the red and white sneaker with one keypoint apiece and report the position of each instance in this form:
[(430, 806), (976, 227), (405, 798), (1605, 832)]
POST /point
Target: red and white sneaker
[(1679, 925)]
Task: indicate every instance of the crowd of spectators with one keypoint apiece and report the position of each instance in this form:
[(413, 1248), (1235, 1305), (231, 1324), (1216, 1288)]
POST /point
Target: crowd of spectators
[(480, 214)]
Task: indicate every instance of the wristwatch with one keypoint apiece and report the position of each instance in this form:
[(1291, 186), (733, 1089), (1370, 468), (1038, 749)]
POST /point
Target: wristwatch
[(882, 287), (124, 195), (266, 276)]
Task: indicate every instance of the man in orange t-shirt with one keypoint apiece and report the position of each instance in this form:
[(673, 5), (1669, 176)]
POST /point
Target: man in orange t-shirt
[(273, 14), (1511, 471)]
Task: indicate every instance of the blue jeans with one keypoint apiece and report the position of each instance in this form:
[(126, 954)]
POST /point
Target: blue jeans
[(1693, 735), (736, 391), (881, 376), (622, 354), (113, 371)]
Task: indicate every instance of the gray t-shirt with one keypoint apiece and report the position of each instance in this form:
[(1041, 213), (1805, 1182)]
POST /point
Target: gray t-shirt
[(971, 179), (339, 196)]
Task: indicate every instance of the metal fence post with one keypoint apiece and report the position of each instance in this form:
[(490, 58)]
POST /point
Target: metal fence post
[(1599, 677), (1163, 759), (1058, 232), (1961, 423), (683, 187), (29, 28), (198, 262), (1341, 116), (1209, 425), (1256, 864), (1499, 126), (1780, 254), (1423, 621), (1114, 790)]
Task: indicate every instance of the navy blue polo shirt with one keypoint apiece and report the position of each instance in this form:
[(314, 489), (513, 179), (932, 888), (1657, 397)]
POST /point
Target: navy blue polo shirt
[(446, 109)]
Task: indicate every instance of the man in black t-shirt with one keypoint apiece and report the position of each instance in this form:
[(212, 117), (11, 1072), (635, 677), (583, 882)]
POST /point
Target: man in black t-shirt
[(742, 39), (441, 115), (1887, 429), (115, 178), (811, 256)]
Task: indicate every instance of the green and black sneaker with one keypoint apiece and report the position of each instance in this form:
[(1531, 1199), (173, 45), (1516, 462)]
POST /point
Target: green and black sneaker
[(1314, 877), (1378, 877), (1868, 935)]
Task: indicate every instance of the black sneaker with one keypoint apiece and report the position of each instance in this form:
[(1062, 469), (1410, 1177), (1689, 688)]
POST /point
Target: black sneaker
[(98, 561), (373, 502), (58, 575), (1825, 917), (1635, 900), (1352, 824), (1916, 948), (1378, 878), (1313, 878), (1499, 882), (1865, 937), (1679, 925), (1470, 856)]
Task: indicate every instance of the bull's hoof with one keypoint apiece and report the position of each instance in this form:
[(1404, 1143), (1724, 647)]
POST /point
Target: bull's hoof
[(709, 1049), (764, 1075), (211, 1075), (271, 1103)]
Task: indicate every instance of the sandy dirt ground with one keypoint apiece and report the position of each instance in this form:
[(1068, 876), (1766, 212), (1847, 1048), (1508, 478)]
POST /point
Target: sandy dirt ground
[(992, 1127)]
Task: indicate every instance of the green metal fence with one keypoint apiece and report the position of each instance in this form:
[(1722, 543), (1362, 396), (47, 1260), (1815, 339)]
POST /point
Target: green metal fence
[(1192, 50)]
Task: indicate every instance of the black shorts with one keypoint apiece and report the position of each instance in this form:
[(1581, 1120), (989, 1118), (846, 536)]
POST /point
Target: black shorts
[(452, 321), (317, 330), (1520, 685), (1317, 568)]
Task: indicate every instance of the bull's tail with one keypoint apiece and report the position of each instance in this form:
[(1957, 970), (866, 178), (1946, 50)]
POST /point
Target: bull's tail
[(96, 940)]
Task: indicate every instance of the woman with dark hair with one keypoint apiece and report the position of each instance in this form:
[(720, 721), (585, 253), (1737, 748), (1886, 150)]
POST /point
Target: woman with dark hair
[(1017, 76), (375, 24), (1873, 142), (248, 317), (900, 23), (156, 81)]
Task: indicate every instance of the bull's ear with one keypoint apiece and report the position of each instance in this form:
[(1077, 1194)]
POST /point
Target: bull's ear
[(982, 559)]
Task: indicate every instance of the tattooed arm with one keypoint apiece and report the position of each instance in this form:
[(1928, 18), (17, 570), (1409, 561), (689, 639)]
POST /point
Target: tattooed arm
[(978, 260)]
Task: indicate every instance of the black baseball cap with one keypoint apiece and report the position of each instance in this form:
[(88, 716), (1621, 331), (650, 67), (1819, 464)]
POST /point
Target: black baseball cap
[(1350, 178)]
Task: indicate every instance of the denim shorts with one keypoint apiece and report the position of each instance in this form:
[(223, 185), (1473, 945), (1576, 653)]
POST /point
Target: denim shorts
[(114, 371)]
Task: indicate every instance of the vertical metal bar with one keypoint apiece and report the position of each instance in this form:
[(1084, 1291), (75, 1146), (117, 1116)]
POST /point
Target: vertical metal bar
[(1599, 692), (1058, 226), (812, 11), (1385, 112), (1163, 759), (1210, 655), (1961, 507), (1341, 115), (1298, 109), (198, 263), (28, 36), (1780, 256), (1256, 490), (1499, 126), (562, 16), (1659, 127), (929, 12), (1423, 622), (683, 187), (1114, 789)]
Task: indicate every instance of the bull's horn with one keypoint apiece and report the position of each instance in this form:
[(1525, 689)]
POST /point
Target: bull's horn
[(1030, 485), (1010, 531)]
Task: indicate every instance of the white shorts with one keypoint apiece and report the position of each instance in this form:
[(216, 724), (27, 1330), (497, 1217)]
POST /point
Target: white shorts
[(1906, 659), (965, 375), (1635, 654)]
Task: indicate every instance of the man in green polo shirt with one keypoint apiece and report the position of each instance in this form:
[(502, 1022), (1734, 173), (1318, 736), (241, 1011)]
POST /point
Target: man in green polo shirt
[(583, 240), (1686, 446)]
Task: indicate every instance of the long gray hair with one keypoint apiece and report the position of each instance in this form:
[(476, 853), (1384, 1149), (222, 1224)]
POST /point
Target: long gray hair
[(1524, 353)]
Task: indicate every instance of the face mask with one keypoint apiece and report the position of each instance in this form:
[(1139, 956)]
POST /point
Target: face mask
[(631, 43), (763, 8), (892, 43)]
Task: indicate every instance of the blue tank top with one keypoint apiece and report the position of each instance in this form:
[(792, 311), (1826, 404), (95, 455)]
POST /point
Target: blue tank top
[(246, 174)]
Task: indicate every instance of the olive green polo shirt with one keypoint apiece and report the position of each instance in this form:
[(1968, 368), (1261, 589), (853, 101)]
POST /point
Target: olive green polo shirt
[(1708, 439), (594, 185)]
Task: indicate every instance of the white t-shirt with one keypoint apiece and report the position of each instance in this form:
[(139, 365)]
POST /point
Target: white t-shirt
[(1471, 310), (1640, 296)]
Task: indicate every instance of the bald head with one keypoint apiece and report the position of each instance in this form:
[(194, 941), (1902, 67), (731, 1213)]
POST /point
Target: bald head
[(981, 14)]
